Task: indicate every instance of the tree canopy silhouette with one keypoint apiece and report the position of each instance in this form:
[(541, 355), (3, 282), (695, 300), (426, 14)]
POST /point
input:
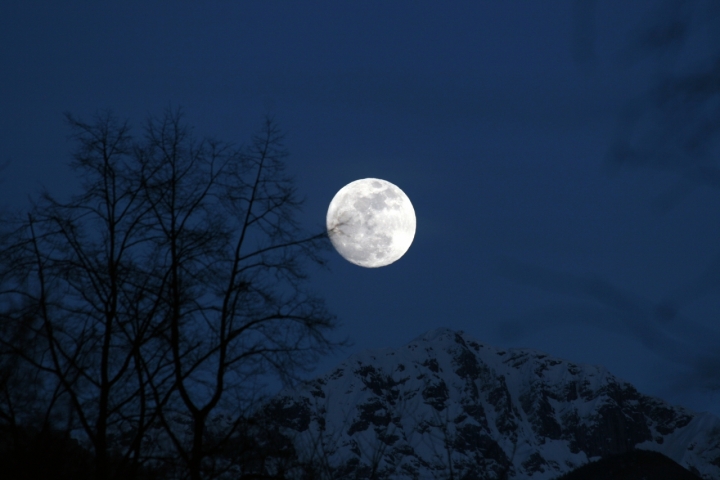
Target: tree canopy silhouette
[(148, 309)]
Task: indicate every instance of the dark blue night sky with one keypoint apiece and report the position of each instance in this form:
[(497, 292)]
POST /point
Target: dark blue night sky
[(497, 119)]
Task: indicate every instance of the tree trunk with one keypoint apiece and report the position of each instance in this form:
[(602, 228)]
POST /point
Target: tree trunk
[(196, 453)]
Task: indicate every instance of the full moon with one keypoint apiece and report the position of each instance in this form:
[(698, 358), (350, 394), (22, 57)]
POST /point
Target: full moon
[(371, 222)]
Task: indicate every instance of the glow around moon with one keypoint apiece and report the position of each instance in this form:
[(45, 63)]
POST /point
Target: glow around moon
[(371, 222)]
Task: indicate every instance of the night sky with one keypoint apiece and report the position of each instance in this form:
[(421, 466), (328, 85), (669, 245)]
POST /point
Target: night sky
[(497, 119)]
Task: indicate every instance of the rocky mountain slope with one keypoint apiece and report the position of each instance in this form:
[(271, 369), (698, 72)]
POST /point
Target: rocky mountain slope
[(447, 406)]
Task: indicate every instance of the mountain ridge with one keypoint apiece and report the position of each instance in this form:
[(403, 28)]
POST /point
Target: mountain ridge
[(446, 406)]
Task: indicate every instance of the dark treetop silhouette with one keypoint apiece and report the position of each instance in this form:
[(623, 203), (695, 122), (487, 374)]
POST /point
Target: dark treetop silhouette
[(142, 314)]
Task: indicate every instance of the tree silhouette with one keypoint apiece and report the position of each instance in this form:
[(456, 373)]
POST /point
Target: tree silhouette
[(158, 299)]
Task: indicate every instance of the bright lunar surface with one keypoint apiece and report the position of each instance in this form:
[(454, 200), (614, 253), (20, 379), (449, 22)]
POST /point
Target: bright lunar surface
[(371, 222)]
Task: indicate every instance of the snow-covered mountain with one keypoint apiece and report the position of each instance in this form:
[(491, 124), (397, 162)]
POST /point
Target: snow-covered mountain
[(447, 406)]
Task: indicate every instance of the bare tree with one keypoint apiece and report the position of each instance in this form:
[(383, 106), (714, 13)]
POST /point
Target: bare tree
[(230, 258), (74, 268), (162, 295)]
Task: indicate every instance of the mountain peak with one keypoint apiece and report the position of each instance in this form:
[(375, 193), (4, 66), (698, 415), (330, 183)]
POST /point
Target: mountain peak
[(445, 404), (432, 335)]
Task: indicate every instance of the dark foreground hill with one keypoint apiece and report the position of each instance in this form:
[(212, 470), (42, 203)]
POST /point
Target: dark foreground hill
[(633, 465)]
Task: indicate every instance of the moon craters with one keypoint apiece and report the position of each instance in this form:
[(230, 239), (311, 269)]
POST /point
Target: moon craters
[(371, 222)]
